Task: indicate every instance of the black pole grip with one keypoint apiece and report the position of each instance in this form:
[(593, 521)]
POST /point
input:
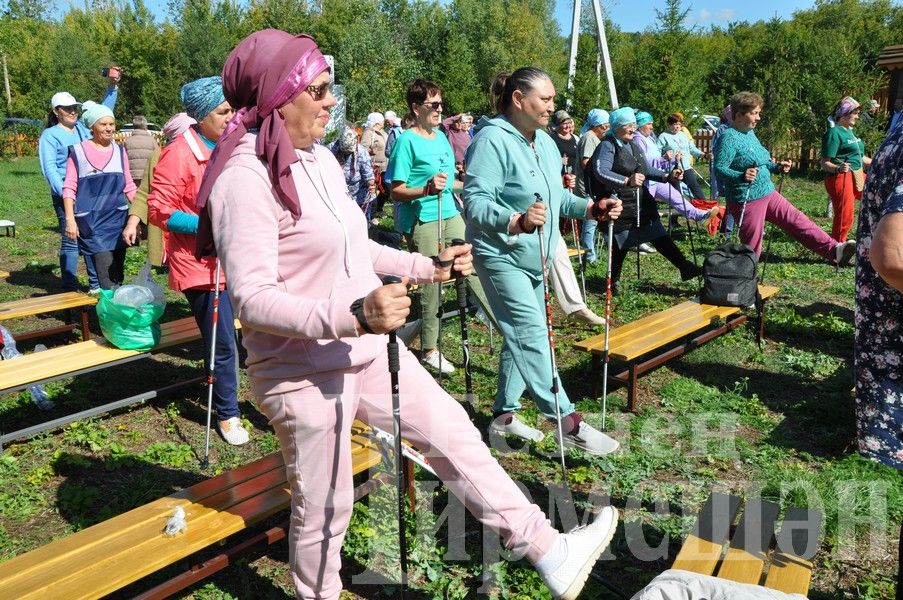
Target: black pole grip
[(390, 279)]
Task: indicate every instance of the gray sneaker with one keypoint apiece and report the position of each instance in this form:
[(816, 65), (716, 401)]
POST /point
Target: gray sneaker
[(407, 332), (647, 248), (516, 428), (590, 440)]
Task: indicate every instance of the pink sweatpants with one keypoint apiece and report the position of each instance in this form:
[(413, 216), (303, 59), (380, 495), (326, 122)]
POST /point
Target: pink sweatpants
[(776, 209), (313, 425)]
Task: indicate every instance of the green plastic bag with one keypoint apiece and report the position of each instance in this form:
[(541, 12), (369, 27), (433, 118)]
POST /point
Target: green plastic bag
[(126, 327)]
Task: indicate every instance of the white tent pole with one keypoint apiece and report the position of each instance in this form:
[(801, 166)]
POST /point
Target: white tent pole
[(572, 58), (603, 49)]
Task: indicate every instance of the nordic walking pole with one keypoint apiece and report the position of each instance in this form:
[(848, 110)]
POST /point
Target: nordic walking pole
[(211, 378), (689, 227), (769, 236), (461, 293), (394, 365), (440, 312), (638, 193), (611, 230), (551, 337), (581, 258)]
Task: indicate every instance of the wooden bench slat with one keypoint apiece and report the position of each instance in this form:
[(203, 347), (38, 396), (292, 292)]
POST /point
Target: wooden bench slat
[(116, 552), (702, 549), (648, 333), (73, 358), (44, 304), (746, 557), (791, 567)]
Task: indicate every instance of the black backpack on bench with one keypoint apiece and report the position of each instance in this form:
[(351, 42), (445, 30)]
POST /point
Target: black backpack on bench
[(729, 276)]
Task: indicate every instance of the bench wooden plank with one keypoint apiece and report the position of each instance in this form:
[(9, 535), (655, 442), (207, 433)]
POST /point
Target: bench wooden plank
[(112, 554), (72, 359), (745, 559), (4, 274), (702, 549), (632, 340), (791, 567), (28, 307), (572, 252)]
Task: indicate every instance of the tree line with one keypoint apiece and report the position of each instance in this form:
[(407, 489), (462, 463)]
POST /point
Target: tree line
[(802, 66)]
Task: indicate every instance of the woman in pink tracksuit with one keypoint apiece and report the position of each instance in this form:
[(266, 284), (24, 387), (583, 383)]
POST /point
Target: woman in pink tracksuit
[(296, 250)]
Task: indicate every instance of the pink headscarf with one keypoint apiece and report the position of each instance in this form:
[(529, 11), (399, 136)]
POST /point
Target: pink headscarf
[(177, 125), (265, 71)]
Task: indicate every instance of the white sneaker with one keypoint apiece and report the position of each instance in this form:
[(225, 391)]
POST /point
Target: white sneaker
[(844, 253), (590, 440), (646, 248), (233, 431), (438, 362), (94, 291), (516, 428), (583, 547)]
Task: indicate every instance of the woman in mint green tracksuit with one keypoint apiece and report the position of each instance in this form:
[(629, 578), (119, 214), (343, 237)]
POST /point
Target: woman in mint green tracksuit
[(510, 160)]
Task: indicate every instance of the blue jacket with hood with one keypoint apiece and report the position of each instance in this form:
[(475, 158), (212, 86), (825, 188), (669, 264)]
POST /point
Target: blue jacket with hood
[(504, 172)]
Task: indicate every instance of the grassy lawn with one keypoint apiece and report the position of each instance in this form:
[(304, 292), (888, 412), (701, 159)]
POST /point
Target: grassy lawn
[(776, 422)]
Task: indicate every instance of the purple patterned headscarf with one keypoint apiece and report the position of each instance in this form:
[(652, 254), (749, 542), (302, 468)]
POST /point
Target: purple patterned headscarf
[(265, 71), (844, 108)]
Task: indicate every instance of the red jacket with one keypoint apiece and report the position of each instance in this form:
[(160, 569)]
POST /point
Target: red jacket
[(177, 178)]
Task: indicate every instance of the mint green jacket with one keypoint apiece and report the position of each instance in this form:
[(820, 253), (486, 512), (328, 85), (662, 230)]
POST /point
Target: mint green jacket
[(504, 172)]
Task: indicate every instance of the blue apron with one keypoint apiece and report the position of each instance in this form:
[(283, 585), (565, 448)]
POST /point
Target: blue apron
[(101, 207)]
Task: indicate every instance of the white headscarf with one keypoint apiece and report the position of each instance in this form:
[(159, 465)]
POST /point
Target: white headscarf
[(374, 118)]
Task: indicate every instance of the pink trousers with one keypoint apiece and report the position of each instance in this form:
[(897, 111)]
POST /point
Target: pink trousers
[(313, 425)]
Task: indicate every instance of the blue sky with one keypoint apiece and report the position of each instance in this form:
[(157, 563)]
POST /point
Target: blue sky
[(637, 15)]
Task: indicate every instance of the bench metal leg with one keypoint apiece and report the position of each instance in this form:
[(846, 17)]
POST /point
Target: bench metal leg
[(86, 331), (631, 387)]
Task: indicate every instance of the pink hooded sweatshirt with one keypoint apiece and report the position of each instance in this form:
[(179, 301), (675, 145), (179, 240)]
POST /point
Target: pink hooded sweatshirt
[(292, 282)]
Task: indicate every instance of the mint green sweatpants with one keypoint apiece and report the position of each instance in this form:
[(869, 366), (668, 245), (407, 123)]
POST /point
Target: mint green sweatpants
[(516, 298)]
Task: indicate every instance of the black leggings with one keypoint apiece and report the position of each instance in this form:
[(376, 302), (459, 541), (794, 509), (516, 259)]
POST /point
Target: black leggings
[(665, 246), (693, 185), (110, 266)]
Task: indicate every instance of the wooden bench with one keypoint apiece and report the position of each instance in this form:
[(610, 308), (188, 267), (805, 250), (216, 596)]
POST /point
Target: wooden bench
[(67, 301), (62, 362), (4, 274), (110, 555), (653, 340), (757, 553)]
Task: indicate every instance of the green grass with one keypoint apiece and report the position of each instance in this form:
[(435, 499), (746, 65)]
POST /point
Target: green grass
[(776, 422)]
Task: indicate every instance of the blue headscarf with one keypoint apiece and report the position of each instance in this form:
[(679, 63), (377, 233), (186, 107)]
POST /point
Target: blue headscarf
[(594, 118), (94, 112), (642, 118), (621, 117), (201, 96)]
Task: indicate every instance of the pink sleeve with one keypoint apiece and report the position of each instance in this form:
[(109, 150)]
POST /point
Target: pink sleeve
[(130, 187), (389, 261), (70, 183), (243, 213)]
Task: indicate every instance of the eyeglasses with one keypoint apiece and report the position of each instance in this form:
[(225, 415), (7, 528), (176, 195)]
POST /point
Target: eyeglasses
[(433, 105), (318, 92), (69, 109)]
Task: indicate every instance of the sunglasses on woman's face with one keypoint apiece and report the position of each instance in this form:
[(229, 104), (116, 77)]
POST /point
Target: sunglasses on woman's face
[(318, 92), (433, 105), (68, 109)]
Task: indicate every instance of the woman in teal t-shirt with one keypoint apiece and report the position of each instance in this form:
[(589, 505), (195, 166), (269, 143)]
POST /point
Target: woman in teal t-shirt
[(843, 157), (423, 167)]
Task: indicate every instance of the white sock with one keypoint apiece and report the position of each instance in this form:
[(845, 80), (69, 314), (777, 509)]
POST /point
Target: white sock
[(554, 558)]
